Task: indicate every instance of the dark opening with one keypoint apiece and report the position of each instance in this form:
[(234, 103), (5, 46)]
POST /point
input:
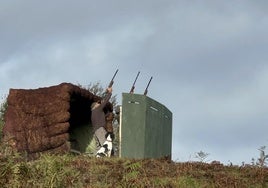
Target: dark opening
[(80, 122)]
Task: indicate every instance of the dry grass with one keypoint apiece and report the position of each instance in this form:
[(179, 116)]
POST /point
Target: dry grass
[(83, 171)]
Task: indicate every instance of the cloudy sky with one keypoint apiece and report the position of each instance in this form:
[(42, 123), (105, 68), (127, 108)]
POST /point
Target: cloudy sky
[(208, 60)]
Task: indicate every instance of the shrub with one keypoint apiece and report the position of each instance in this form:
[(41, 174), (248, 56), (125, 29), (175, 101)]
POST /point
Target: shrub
[(3, 108)]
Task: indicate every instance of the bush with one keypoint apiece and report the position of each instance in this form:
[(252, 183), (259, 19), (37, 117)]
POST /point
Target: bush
[(3, 108)]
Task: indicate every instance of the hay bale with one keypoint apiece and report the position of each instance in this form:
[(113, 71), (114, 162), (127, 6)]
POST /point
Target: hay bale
[(39, 119), (58, 128)]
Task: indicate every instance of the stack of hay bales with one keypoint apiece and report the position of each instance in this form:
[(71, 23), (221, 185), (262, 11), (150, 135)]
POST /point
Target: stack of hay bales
[(39, 119)]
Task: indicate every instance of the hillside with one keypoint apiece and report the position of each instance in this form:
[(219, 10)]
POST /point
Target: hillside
[(82, 171)]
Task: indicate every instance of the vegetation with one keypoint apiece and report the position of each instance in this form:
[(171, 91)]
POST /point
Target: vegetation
[(3, 108), (83, 171), (201, 156), (97, 89), (262, 160)]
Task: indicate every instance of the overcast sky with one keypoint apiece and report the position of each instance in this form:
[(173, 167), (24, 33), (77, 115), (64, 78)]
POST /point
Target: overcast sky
[(208, 60)]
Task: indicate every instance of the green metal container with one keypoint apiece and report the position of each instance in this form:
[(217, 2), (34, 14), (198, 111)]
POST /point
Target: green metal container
[(145, 128)]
